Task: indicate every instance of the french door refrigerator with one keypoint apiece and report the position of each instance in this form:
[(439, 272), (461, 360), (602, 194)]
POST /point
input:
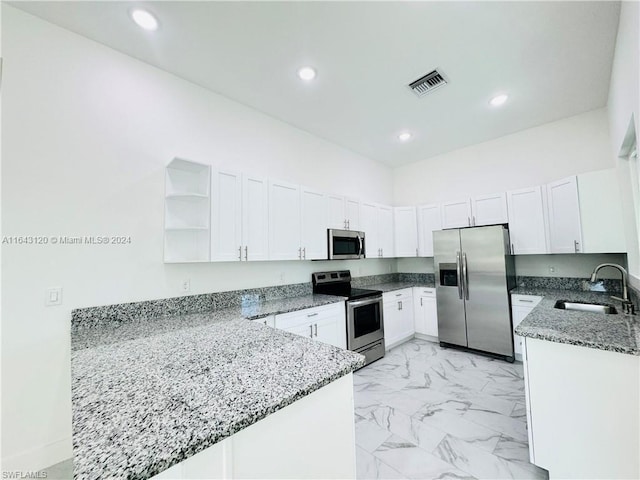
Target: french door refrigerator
[(474, 273)]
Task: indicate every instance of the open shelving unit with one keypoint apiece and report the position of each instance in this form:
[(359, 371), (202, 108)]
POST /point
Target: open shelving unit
[(187, 219)]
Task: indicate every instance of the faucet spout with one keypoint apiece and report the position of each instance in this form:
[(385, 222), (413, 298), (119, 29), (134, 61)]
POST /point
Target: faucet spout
[(594, 276)]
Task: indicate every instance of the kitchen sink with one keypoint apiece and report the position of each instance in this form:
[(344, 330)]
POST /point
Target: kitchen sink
[(586, 307)]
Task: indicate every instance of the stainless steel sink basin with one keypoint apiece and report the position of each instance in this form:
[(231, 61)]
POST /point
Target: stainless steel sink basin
[(586, 307)]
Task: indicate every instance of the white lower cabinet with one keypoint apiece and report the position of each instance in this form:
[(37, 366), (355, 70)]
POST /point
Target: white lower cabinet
[(582, 410), (294, 442), (426, 312), (326, 324), (397, 307), (521, 305)]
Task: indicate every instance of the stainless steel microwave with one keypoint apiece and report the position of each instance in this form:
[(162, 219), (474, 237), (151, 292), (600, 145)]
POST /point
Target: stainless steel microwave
[(345, 244)]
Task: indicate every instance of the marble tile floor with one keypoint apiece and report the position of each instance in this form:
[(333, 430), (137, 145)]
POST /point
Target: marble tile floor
[(426, 412)]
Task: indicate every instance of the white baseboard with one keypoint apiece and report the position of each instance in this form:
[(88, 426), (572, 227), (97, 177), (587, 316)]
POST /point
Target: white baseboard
[(39, 457), (428, 338)]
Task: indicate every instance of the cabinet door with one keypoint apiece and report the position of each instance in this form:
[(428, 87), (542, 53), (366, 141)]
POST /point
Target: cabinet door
[(392, 325), (352, 209), (456, 214), (425, 311), (314, 224), (405, 231), (304, 330), (255, 218), (226, 216), (405, 305), (601, 212), (385, 231), (327, 331), (527, 229), (518, 314), (337, 217), (284, 221), (429, 220), (565, 231), (397, 307), (489, 209), (369, 225)]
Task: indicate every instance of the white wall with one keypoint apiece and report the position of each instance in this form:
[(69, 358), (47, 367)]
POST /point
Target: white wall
[(87, 132), (623, 104), (531, 157)]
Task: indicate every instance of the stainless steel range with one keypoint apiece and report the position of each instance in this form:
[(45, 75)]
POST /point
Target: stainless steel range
[(365, 326)]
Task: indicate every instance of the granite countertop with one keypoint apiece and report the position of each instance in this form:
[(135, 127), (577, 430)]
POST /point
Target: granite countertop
[(617, 333), (391, 286), (149, 394)]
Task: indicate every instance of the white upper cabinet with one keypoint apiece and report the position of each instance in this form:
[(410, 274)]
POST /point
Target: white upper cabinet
[(255, 218), (527, 229), (565, 231), (369, 225), (456, 214), (601, 212), (429, 220), (343, 212), (239, 214), (314, 224), (226, 216), (405, 231), (284, 221), (489, 209), (385, 231), (479, 210)]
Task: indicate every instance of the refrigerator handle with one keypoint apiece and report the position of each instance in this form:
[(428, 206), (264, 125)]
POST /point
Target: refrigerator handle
[(458, 262), (465, 275)]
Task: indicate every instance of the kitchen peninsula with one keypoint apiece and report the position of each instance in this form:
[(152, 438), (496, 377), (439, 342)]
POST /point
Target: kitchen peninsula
[(186, 395)]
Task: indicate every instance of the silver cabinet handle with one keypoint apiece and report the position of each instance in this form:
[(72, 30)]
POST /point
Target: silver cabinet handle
[(469, 220), (300, 253), (576, 246), (399, 305), (525, 301), (473, 221), (420, 301), (246, 253), (312, 314), (416, 252), (304, 253), (513, 250), (459, 277), (348, 224), (382, 252), (311, 331), (465, 274), (316, 327), (398, 294), (344, 224), (240, 253)]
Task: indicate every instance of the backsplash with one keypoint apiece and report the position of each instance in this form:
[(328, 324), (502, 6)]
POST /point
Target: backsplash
[(612, 286), (393, 277)]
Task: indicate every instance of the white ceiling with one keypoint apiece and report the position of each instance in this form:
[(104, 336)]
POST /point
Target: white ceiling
[(552, 58)]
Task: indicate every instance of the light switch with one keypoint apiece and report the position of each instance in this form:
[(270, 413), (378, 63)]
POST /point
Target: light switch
[(54, 296)]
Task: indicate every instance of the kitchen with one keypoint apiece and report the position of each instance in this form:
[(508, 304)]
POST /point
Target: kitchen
[(88, 133)]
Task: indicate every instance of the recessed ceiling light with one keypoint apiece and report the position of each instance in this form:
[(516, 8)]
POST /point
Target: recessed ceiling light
[(404, 136), (307, 73), (498, 100), (144, 19)]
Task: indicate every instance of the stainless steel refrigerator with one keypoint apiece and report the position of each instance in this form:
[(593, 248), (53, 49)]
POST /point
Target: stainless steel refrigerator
[(474, 273)]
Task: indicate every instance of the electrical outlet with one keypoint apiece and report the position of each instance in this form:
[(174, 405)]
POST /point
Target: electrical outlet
[(53, 296), (186, 285), (552, 269)]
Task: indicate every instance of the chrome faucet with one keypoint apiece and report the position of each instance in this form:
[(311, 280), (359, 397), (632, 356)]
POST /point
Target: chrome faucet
[(626, 303)]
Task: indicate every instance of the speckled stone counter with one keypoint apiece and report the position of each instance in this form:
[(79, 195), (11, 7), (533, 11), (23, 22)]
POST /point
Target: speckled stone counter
[(149, 393), (617, 333), (391, 286)]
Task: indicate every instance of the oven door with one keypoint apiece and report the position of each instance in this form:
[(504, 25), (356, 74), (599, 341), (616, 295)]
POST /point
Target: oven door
[(364, 322), (345, 244)]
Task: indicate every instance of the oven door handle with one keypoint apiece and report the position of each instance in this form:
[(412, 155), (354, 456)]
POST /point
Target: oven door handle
[(358, 303)]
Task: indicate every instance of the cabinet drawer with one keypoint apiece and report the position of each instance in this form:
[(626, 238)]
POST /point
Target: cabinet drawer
[(402, 294), (309, 315), (425, 292), (525, 300)]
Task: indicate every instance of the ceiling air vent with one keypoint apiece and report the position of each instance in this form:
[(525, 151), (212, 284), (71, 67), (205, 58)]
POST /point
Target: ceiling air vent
[(427, 84)]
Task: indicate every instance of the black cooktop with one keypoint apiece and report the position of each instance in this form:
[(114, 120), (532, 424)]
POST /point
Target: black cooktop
[(339, 283)]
